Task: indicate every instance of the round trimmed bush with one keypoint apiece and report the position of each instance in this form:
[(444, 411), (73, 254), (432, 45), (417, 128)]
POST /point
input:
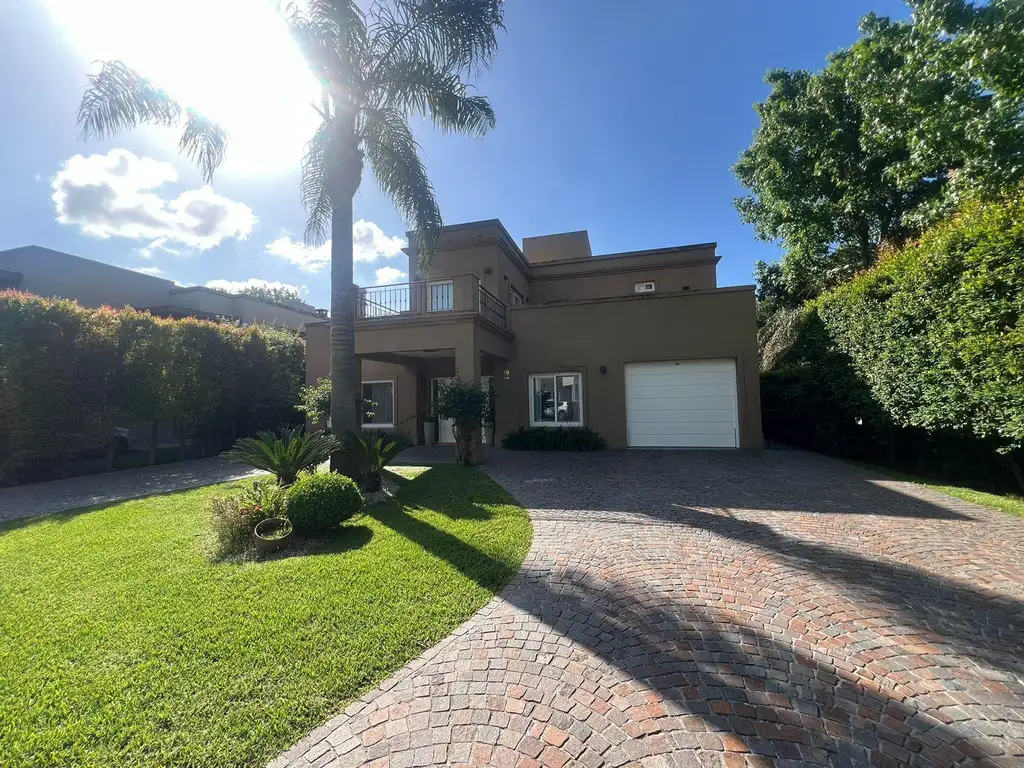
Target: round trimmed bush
[(321, 501)]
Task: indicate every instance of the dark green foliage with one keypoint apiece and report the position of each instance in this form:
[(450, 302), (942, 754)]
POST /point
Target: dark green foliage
[(465, 404), (69, 375), (315, 400), (286, 453), (936, 330), (553, 439), (890, 137), (370, 452), (321, 501), (918, 363)]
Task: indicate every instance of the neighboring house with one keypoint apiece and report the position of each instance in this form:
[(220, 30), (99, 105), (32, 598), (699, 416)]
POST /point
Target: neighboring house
[(48, 273), (643, 347)]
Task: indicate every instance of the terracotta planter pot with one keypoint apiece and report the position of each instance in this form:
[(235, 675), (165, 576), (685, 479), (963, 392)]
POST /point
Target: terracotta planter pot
[(272, 534)]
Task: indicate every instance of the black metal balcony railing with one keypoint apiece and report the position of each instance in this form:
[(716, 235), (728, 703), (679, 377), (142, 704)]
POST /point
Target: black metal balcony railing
[(492, 309), (406, 298), (424, 297)]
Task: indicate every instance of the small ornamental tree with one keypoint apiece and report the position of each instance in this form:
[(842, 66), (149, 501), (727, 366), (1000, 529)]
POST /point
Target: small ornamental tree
[(464, 404)]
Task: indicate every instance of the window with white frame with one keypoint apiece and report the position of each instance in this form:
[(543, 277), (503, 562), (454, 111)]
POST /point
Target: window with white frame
[(378, 404), (515, 298), (646, 286), (556, 400)]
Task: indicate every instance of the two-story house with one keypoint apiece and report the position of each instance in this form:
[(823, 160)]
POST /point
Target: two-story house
[(642, 347)]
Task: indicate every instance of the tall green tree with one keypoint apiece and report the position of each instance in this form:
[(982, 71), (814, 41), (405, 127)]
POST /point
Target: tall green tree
[(276, 294), (400, 57), (888, 138)]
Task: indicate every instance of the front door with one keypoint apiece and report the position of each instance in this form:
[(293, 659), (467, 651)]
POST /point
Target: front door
[(445, 427)]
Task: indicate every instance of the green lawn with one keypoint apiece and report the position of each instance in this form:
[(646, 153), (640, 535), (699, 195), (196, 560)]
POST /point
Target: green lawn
[(122, 645), (1013, 505)]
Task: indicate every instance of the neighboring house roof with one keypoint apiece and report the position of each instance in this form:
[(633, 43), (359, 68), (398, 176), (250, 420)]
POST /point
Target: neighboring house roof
[(48, 272)]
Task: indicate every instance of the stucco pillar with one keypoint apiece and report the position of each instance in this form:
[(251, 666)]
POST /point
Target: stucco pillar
[(467, 292), (467, 368)]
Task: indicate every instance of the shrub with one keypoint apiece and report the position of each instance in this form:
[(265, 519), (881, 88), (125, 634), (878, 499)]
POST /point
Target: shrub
[(315, 400), (319, 502), (465, 404), (233, 517), (70, 374), (553, 439), (370, 452), (285, 454)]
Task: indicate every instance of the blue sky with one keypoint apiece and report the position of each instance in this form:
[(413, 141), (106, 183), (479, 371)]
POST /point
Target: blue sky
[(620, 122)]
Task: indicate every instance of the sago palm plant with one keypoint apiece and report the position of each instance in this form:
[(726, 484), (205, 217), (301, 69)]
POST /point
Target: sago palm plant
[(375, 68), (285, 454)]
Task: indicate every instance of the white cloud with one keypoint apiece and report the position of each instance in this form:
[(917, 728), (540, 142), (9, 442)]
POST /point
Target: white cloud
[(234, 286), (387, 275), (369, 243), (154, 271), (113, 195), (306, 259)]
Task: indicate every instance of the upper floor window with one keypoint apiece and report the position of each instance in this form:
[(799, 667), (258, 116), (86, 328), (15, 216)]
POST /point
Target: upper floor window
[(515, 298), (647, 286)]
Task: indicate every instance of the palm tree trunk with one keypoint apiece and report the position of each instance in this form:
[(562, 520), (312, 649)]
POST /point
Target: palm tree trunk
[(345, 386)]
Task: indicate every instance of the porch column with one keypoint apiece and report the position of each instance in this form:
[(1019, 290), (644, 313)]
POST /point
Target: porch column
[(467, 367)]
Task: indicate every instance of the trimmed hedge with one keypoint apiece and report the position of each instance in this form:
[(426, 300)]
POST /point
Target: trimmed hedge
[(553, 439), (917, 363), (319, 502), (70, 374), (936, 329)]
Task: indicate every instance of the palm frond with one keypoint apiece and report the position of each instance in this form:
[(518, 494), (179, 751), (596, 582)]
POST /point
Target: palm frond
[(204, 143), (455, 35), (285, 454), (118, 99), (419, 86), (332, 37), (316, 198), (394, 157)]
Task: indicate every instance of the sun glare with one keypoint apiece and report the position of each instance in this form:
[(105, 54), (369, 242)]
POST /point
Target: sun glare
[(231, 59)]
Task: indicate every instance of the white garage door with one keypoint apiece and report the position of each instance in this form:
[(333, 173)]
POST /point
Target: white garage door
[(682, 404)]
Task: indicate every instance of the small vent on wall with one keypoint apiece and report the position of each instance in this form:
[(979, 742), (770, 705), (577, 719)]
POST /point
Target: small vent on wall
[(644, 287)]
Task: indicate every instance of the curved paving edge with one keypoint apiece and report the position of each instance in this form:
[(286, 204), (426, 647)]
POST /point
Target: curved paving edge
[(111, 487), (718, 609)]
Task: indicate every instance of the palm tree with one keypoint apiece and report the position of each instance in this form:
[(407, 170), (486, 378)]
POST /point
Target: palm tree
[(401, 57)]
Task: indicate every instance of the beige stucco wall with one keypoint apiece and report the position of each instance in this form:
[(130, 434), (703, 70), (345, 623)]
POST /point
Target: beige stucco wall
[(620, 283), (585, 336)]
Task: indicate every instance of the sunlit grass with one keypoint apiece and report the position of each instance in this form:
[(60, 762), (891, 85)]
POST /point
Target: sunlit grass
[(123, 645)]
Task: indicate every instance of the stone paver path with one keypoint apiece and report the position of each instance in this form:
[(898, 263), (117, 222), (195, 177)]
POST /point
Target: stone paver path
[(88, 490), (685, 609)]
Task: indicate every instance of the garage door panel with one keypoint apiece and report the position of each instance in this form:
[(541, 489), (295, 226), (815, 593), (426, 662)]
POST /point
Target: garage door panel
[(688, 441), (696, 416), (674, 379), (678, 391), (682, 404)]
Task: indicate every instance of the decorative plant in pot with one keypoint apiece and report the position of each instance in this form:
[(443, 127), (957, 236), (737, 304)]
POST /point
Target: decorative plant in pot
[(272, 534), (463, 403), (429, 426)]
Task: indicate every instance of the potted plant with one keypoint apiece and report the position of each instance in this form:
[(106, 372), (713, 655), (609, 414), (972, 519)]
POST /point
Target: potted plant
[(429, 427), (272, 534)]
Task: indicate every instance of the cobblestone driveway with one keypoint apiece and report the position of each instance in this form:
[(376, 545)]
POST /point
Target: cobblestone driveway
[(682, 609), (106, 488)]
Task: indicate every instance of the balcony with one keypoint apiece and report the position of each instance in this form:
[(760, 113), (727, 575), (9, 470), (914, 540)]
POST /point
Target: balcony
[(460, 293)]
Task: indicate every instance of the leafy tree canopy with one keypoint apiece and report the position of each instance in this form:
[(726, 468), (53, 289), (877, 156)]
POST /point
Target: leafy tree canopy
[(278, 294), (890, 137)]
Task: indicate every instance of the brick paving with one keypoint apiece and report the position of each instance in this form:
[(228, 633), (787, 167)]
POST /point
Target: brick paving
[(109, 487), (719, 609)]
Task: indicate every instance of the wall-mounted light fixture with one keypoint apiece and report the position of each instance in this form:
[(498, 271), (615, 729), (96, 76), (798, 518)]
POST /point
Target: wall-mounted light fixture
[(604, 369)]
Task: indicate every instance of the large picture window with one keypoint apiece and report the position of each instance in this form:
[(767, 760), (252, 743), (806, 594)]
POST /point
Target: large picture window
[(378, 404), (556, 400)]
